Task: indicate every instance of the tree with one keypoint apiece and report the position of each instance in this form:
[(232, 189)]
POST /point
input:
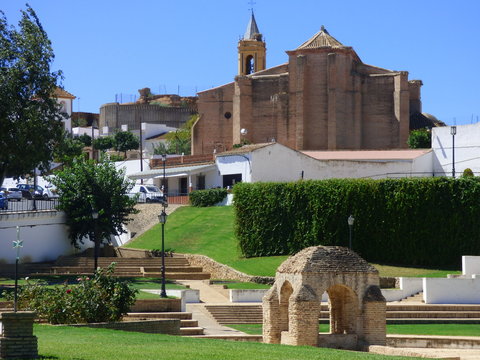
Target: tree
[(87, 188), (179, 141), (124, 141), (30, 117), (85, 139), (103, 143), (68, 149), (420, 139)]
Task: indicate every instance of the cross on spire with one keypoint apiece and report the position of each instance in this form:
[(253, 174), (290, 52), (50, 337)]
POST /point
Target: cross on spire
[(251, 3)]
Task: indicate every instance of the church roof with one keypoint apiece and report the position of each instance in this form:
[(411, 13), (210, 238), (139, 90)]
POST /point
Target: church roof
[(252, 29), (320, 40), (61, 93)]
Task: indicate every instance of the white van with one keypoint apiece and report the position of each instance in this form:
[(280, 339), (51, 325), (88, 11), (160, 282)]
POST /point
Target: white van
[(148, 194)]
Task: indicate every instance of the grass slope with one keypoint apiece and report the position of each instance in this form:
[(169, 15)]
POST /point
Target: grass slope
[(210, 231), (68, 343)]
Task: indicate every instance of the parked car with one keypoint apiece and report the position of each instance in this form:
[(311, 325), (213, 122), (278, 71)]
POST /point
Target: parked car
[(51, 192), (31, 191), (3, 201), (148, 194), (12, 193)]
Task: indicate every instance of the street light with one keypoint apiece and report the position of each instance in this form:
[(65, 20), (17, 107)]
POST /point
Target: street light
[(162, 218), (453, 131), (95, 254), (17, 244), (350, 222)]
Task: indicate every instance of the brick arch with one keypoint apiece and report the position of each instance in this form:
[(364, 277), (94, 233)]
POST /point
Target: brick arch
[(286, 292), (343, 305)]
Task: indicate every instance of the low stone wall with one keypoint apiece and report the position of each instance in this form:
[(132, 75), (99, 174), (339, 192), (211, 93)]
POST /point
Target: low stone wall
[(160, 305), (160, 326), (247, 295), (224, 272)]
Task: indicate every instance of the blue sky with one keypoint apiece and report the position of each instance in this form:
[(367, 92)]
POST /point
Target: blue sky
[(107, 47)]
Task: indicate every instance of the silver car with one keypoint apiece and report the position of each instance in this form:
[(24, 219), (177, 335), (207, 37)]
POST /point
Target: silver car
[(12, 193)]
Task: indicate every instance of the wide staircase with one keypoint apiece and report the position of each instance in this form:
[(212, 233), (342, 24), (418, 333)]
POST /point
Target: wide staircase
[(396, 314), (176, 267)]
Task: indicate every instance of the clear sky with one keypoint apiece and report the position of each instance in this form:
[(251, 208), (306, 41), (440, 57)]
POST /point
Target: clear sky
[(107, 47)]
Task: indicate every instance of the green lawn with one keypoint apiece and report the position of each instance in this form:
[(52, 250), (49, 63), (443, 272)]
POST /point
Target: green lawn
[(68, 343), (210, 231), (405, 329)]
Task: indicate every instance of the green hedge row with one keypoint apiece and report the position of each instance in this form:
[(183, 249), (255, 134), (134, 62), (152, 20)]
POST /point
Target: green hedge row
[(416, 221), (210, 197)]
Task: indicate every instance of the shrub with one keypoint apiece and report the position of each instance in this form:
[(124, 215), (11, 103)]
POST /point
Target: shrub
[(103, 298), (204, 198), (417, 221), (468, 173)]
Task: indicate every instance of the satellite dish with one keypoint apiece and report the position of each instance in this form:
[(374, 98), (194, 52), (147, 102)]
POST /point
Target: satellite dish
[(243, 131)]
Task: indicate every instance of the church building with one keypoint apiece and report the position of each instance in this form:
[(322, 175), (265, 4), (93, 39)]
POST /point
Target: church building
[(323, 98)]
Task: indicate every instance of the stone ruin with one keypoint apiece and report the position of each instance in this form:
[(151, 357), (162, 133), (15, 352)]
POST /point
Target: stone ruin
[(291, 308)]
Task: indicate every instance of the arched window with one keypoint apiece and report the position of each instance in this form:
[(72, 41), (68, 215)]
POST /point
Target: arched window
[(250, 65)]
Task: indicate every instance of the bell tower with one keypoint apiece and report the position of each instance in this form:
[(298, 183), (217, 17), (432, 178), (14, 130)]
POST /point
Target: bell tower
[(251, 50)]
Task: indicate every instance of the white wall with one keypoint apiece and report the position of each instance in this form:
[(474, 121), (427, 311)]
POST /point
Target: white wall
[(451, 291), (467, 149), (279, 163), (470, 265), (67, 108), (44, 235), (235, 164)]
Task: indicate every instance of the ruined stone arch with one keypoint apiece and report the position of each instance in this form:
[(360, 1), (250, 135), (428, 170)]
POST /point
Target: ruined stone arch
[(343, 307), (357, 308)]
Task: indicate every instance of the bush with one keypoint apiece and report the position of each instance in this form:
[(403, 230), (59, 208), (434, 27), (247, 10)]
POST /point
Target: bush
[(101, 299), (417, 221), (204, 198), (468, 173)]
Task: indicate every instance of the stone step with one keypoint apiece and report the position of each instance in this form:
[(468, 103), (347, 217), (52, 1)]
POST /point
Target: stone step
[(188, 331), (161, 315), (188, 323)]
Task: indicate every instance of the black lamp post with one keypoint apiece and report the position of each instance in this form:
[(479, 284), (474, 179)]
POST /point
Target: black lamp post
[(453, 131), (162, 218), (17, 244), (350, 222), (95, 238)]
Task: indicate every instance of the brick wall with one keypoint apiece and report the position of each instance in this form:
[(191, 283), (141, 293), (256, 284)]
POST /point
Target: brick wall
[(16, 335)]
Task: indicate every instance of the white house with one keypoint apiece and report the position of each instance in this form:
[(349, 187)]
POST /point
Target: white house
[(466, 150), (65, 99), (276, 162)]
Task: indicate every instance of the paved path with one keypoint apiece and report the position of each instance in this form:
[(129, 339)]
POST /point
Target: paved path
[(208, 295)]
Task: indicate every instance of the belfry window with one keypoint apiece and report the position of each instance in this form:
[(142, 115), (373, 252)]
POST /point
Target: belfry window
[(250, 65)]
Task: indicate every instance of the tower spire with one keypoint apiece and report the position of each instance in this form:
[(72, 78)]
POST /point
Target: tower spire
[(251, 49), (252, 31)]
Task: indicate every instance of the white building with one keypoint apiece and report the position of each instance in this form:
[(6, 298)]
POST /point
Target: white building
[(467, 149), (276, 162), (65, 99)]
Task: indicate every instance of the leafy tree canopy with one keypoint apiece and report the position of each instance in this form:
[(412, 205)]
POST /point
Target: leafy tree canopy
[(103, 143), (124, 141), (68, 149), (87, 186), (420, 139), (30, 117), (85, 139)]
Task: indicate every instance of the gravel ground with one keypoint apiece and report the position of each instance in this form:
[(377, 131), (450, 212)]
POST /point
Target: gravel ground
[(147, 217)]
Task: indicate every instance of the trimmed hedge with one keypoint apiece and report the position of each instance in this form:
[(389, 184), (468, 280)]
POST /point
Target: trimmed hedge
[(204, 198), (416, 221)]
